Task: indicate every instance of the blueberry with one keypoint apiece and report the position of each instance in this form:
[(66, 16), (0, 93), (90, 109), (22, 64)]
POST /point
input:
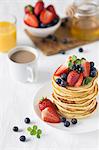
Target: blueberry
[(63, 119), (66, 123), (27, 120), (52, 37), (74, 121), (22, 138), (15, 128), (80, 69), (91, 64), (64, 76), (74, 67), (93, 69), (42, 25), (63, 83), (93, 73), (64, 41), (62, 52), (58, 81), (55, 21), (80, 50)]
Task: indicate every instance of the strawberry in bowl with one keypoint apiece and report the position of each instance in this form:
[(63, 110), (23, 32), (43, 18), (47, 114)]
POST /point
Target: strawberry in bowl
[(40, 20)]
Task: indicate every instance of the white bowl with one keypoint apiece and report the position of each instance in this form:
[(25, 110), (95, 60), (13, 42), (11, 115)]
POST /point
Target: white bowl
[(43, 32)]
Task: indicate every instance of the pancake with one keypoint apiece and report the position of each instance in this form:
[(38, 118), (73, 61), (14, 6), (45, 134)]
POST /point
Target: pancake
[(75, 102)]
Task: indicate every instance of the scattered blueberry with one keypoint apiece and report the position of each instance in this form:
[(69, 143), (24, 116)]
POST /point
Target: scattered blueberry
[(66, 123), (52, 37), (22, 138), (15, 128), (62, 52), (81, 50), (27, 120), (63, 83), (74, 121), (63, 119), (74, 67), (93, 73), (91, 64), (58, 81), (64, 76), (64, 41)]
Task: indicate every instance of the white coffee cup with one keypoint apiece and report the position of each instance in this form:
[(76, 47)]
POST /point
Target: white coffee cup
[(23, 72)]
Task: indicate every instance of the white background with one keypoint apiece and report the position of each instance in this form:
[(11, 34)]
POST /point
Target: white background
[(16, 99)]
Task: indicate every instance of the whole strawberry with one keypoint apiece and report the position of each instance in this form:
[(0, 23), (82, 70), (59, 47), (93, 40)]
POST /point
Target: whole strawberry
[(29, 9), (39, 6)]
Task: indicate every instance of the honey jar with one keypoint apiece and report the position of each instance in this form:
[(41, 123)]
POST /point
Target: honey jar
[(85, 22)]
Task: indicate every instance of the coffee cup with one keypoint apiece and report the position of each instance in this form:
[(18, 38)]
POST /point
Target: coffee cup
[(23, 62)]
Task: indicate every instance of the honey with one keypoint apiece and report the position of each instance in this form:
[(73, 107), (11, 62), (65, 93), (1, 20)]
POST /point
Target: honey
[(85, 23)]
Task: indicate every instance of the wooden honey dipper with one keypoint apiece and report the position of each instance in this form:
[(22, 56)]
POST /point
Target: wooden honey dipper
[(71, 10)]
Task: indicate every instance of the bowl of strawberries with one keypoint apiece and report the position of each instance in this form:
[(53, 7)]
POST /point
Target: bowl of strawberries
[(41, 21)]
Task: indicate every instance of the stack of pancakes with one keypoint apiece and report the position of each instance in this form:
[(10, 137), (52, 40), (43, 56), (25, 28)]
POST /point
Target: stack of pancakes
[(75, 102)]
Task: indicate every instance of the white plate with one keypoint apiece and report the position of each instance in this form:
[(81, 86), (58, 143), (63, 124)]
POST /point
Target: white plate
[(84, 125)]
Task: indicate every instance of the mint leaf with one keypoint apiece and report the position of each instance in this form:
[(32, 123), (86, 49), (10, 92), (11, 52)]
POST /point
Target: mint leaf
[(34, 127), (87, 80), (74, 58), (39, 131), (33, 132), (78, 62), (29, 129), (70, 64), (38, 136)]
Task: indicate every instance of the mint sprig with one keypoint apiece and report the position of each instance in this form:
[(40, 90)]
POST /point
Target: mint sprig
[(87, 80), (34, 131)]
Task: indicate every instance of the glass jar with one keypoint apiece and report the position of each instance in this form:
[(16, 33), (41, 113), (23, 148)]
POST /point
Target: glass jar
[(85, 22), (7, 32)]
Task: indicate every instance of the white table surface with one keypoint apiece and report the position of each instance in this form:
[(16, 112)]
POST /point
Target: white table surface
[(16, 99)]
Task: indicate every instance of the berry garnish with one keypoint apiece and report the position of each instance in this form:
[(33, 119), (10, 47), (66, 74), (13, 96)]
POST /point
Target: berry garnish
[(93, 69), (80, 69), (58, 81), (81, 50), (80, 81), (66, 123), (64, 76), (52, 9), (22, 138), (72, 78), (43, 25), (63, 119), (93, 73), (15, 129), (74, 121), (86, 66), (63, 83), (27, 120), (45, 103), (74, 67), (62, 69), (91, 64)]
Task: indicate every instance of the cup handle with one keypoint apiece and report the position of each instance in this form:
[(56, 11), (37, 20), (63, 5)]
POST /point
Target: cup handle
[(30, 74)]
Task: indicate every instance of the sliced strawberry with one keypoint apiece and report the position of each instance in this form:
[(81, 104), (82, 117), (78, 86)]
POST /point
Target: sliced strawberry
[(39, 6), (52, 9), (72, 78), (46, 16), (28, 9), (62, 69), (50, 115), (86, 66), (80, 80), (45, 103), (31, 20)]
